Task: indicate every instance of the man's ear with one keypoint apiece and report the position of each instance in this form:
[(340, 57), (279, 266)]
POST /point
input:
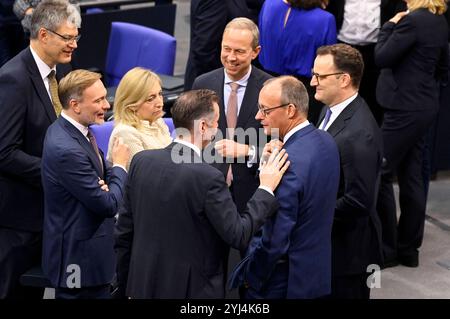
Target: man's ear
[(255, 52), (75, 106), (292, 110), (346, 80), (43, 35), (201, 126)]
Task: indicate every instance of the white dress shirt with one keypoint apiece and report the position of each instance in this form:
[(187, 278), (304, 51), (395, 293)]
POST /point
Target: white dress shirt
[(44, 70), (361, 23), (336, 110)]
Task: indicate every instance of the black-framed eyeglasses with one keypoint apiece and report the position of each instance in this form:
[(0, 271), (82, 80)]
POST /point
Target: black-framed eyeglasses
[(66, 38), (323, 76), (266, 111)]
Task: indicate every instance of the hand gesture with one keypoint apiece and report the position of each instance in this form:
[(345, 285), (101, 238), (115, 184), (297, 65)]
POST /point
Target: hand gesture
[(273, 169), (398, 17), (269, 148), (231, 149), (103, 185), (120, 152)]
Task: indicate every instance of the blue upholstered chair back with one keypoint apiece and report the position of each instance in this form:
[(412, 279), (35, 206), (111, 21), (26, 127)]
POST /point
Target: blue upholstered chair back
[(169, 123), (132, 45), (102, 134)]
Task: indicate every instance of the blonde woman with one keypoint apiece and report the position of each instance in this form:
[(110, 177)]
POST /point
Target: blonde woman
[(138, 112), (412, 51)]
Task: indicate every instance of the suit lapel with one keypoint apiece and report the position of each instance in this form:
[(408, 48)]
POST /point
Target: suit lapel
[(220, 80), (39, 86), (341, 121), (322, 115), (82, 140), (251, 95)]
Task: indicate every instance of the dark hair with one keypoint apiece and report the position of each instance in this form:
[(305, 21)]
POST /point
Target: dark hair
[(305, 4), (191, 106), (346, 59)]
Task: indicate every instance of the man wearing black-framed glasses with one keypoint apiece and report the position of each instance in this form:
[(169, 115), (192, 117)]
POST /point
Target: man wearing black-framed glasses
[(284, 262), (66, 38), (355, 239), (29, 103)]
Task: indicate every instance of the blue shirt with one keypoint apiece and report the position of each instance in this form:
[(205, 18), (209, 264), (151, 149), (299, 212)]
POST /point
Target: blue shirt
[(291, 49)]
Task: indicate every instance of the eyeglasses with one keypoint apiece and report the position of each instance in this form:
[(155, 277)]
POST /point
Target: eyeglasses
[(66, 38), (266, 111), (323, 76)]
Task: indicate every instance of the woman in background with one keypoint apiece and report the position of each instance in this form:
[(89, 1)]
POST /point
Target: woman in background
[(290, 33), (138, 112), (412, 52)]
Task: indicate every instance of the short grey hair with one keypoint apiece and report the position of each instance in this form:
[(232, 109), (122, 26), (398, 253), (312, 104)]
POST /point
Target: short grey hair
[(292, 91), (51, 14), (245, 24)]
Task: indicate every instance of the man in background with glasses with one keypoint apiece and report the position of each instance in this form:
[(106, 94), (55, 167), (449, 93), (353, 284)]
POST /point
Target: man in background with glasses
[(29, 103), (292, 257), (356, 233)]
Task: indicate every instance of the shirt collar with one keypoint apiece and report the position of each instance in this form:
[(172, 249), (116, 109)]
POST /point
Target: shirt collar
[(241, 82), (338, 108), (294, 130), (44, 69), (80, 127), (188, 144)]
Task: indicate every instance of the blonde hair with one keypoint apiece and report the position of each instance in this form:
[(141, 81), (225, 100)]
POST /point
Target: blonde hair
[(245, 24), (74, 84), (434, 6), (131, 93)]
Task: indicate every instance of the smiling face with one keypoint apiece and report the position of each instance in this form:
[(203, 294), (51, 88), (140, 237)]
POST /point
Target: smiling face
[(91, 108), (328, 87), (152, 108), (237, 52), (56, 49)]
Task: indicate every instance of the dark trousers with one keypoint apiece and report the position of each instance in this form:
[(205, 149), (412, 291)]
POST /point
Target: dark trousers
[(95, 292), (19, 251), (368, 86), (404, 139), (350, 287), (208, 19), (276, 286)]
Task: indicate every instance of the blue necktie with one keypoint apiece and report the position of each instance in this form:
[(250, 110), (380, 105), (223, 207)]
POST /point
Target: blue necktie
[(327, 118)]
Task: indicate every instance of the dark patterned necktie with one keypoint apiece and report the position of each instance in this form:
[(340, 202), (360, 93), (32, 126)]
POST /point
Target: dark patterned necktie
[(53, 86), (93, 141)]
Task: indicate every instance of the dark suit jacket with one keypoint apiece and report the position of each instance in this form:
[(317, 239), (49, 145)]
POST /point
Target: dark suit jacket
[(244, 178), (413, 55), (244, 8), (174, 236), (387, 10), (26, 112), (300, 232), (356, 227), (78, 218)]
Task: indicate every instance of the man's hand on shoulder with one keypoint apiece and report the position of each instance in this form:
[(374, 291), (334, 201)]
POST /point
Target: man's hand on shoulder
[(120, 152), (272, 170)]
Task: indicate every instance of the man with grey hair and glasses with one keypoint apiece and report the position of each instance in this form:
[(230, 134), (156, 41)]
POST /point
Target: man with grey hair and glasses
[(292, 257), (29, 103)]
